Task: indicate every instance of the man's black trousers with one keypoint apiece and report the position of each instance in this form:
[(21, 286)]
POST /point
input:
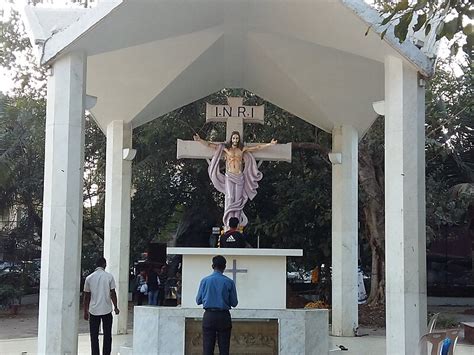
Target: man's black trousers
[(216, 325), (94, 323)]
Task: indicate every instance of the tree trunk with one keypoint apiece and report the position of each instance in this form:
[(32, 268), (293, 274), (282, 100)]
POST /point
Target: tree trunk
[(371, 180), (377, 284), (371, 185)]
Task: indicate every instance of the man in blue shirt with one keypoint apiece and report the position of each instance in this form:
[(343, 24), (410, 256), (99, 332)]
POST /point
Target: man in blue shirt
[(218, 295)]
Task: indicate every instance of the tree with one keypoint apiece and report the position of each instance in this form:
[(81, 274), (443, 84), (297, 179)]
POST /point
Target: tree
[(17, 57), (371, 206), (449, 162), (165, 188), (22, 127), (292, 208), (21, 166)]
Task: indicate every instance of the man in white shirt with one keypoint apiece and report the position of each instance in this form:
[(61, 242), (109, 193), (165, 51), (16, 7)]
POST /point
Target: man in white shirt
[(99, 294)]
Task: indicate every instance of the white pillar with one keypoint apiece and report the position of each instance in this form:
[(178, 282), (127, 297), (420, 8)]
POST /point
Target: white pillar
[(344, 231), (405, 240), (118, 177), (62, 207)]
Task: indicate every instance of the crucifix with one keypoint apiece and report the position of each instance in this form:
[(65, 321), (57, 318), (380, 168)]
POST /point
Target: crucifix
[(235, 271), (240, 180)]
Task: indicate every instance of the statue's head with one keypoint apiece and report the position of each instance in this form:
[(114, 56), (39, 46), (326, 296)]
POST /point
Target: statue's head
[(235, 140)]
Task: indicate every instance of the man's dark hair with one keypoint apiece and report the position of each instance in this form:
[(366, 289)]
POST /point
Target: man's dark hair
[(233, 222), (219, 263), (101, 262)]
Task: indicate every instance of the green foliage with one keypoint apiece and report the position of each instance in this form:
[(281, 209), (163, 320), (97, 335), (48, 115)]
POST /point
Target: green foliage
[(94, 195), (447, 322), (450, 20), (17, 57), (165, 188), (22, 166), (8, 294), (22, 127), (401, 28), (292, 208), (449, 167), (449, 148), (22, 138)]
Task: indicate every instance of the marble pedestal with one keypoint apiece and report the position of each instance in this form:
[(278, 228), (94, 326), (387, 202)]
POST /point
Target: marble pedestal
[(161, 330), (260, 277)]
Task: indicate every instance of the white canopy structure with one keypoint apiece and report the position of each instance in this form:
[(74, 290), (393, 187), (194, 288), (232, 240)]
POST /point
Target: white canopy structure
[(132, 61)]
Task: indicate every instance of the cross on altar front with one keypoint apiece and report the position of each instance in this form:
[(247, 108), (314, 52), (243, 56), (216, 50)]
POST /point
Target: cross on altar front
[(234, 271), (235, 114)]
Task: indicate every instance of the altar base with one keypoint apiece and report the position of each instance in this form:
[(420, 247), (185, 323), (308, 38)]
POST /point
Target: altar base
[(161, 330)]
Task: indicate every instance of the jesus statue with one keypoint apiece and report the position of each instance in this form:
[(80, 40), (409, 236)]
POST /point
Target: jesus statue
[(240, 182)]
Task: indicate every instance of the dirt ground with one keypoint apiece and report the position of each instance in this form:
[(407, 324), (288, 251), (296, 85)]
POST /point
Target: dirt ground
[(25, 323), (449, 316)]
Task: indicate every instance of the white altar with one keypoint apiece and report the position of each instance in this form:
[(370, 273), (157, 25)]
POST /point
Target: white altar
[(260, 277), (259, 274)]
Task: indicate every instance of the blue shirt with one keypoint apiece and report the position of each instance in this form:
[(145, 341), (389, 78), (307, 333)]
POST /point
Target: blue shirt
[(217, 291)]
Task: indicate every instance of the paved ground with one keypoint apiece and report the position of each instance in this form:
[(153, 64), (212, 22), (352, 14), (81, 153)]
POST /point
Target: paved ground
[(18, 332), (369, 345), (27, 346), (375, 345)]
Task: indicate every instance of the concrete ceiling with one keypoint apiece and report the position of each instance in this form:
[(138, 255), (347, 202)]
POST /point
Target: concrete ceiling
[(147, 58)]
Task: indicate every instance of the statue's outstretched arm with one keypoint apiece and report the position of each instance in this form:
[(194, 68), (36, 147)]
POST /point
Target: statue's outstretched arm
[(206, 143), (259, 146)]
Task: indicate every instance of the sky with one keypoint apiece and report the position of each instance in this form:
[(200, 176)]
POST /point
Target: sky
[(5, 82)]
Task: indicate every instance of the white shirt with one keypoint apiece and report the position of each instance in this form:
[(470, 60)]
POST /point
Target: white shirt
[(99, 284)]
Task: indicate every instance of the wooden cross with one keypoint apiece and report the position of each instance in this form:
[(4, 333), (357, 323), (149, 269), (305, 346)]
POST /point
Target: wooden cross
[(235, 115), (235, 271)]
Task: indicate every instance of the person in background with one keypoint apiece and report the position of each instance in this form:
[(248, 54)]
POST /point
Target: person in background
[(361, 293), (315, 275), (163, 286), (141, 280), (153, 282), (214, 237), (232, 238), (217, 294), (99, 294), (178, 287)]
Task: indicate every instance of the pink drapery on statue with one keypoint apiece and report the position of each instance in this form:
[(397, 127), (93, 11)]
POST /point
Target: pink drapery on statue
[(237, 188)]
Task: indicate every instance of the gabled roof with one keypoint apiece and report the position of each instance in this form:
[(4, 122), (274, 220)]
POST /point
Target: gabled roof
[(146, 58)]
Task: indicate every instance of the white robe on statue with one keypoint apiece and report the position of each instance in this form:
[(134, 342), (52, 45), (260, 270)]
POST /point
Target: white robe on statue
[(237, 188)]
